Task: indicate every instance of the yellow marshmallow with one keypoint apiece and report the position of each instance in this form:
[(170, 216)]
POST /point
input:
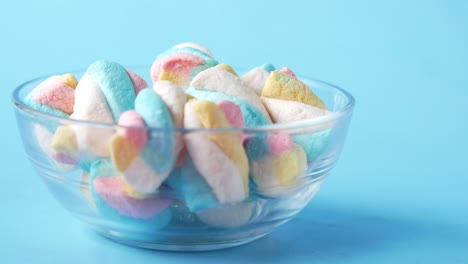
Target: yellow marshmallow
[(227, 68), (123, 152), (172, 77), (280, 85), (69, 79), (290, 165), (64, 141), (211, 116)]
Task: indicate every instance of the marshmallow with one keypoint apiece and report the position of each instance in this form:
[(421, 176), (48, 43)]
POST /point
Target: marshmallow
[(194, 189), (288, 72), (174, 98), (114, 204), (115, 84), (255, 79), (284, 111), (256, 146), (104, 92), (56, 96), (180, 65), (252, 116), (227, 68), (313, 141), (144, 163), (274, 171), (268, 67), (44, 138), (218, 80), (194, 46), (137, 82), (219, 158), (232, 112), (281, 85)]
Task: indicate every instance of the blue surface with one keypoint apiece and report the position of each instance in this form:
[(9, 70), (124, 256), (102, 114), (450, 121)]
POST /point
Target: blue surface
[(399, 191)]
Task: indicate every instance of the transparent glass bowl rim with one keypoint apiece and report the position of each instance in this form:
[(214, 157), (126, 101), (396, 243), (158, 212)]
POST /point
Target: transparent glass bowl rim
[(331, 117)]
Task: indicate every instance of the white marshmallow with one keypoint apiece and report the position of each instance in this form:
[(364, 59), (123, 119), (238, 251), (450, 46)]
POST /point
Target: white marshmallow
[(217, 169), (174, 97), (218, 80), (91, 105), (255, 79), (194, 46), (283, 111)]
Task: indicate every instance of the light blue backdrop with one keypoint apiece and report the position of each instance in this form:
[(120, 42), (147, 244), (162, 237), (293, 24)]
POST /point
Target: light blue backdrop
[(399, 191)]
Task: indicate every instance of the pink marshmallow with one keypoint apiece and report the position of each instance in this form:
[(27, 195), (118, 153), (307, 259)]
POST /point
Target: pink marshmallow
[(232, 112), (288, 72), (57, 95), (181, 63), (111, 190), (138, 82), (135, 132), (279, 143)]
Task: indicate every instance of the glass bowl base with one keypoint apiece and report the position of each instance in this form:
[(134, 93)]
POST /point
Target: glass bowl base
[(178, 245)]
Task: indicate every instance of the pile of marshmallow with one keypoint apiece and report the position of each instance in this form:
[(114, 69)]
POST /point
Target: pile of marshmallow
[(145, 152)]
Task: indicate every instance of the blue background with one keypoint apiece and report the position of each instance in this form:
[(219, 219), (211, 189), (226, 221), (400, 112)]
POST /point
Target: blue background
[(399, 191)]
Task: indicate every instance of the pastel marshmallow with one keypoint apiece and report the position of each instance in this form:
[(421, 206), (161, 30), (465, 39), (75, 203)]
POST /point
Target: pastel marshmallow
[(226, 172), (137, 82), (44, 136), (284, 111), (138, 216), (115, 84), (55, 95), (90, 105), (174, 98), (227, 68), (280, 85), (268, 67), (279, 143), (103, 93), (233, 113), (255, 79), (143, 167), (257, 146), (313, 140), (314, 143), (288, 72), (273, 172), (251, 115), (218, 80), (180, 65), (133, 128), (194, 46), (111, 190), (193, 188)]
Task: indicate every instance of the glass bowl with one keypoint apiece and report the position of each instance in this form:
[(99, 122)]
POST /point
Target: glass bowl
[(167, 220)]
